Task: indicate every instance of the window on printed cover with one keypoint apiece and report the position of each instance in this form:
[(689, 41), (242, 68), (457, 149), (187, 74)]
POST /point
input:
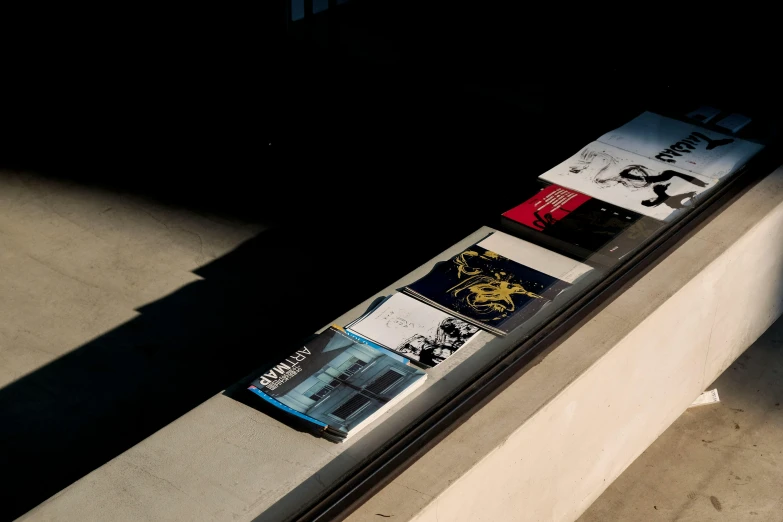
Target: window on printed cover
[(385, 382), (349, 367), (322, 388), (351, 407)]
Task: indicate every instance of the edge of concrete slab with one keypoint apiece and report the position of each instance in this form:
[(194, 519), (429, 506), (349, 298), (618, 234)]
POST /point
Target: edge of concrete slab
[(549, 444), (543, 449)]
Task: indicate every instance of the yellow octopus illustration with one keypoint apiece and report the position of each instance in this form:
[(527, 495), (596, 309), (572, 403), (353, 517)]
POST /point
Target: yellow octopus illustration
[(463, 269), (486, 294)]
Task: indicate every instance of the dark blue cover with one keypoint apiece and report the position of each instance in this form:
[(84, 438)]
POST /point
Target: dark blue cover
[(487, 289)]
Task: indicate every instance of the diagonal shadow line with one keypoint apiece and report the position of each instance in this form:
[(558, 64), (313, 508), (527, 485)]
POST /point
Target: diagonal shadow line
[(69, 417), (79, 411)]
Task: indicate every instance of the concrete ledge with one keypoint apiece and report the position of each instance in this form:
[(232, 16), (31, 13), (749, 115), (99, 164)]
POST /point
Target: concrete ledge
[(225, 459), (548, 445), (541, 450)]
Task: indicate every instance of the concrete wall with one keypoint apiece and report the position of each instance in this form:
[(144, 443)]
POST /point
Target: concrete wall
[(614, 384)]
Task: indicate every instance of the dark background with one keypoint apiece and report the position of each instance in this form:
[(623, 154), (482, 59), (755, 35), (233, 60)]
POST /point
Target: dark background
[(221, 106), (389, 121)]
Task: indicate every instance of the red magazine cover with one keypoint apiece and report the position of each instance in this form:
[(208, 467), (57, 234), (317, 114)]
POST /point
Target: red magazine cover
[(578, 225), (546, 208)]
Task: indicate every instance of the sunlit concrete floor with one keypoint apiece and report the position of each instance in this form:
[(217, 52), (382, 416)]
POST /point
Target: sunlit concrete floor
[(78, 359), (720, 462), (77, 261), (126, 303)]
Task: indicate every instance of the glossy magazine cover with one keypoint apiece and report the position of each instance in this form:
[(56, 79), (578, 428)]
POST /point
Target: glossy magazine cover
[(579, 225), (335, 381), (487, 289)]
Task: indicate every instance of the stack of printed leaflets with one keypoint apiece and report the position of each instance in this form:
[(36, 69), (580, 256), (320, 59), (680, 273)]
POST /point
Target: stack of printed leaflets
[(336, 384)]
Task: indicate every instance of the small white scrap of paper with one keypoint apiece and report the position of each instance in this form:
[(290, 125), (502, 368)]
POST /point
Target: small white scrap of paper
[(734, 122), (708, 397), (704, 113)]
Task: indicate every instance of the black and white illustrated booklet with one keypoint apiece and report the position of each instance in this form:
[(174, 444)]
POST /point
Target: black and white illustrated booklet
[(413, 329), (650, 187), (672, 143)]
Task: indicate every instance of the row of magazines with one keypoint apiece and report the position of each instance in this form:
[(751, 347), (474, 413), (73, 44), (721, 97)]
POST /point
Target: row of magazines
[(588, 213)]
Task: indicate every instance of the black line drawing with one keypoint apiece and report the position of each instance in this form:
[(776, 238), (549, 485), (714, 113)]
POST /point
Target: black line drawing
[(449, 337), (672, 201), (686, 145), (635, 177), (638, 176), (592, 158)]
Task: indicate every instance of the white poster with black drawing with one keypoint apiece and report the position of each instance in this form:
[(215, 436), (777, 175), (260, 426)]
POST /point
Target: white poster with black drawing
[(678, 144), (630, 181), (414, 330)]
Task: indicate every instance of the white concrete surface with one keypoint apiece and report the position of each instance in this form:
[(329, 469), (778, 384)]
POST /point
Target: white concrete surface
[(94, 286), (545, 448), (542, 450), (96, 257), (716, 463)]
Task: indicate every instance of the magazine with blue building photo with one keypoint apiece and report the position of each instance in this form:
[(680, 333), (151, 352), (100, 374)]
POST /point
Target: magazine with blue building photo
[(337, 383)]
